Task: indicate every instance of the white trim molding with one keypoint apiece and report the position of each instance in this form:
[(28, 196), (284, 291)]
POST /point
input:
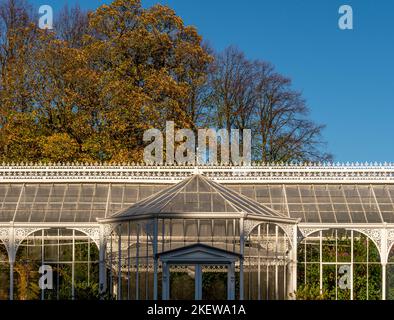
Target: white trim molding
[(327, 173)]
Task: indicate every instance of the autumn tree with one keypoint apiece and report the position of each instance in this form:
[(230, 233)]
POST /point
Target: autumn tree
[(71, 25), (280, 118), (151, 63), (232, 83), (18, 136), (248, 94), (87, 90), (95, 87)]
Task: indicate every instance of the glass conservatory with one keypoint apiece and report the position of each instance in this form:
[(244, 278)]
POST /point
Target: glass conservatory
[(187, 242), (264, 232)]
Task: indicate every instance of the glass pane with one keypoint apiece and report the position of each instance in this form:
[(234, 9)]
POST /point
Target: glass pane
[(182, 282), (214, 283)]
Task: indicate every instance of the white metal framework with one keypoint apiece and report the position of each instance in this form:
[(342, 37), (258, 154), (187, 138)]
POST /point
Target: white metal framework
[(327, 211)]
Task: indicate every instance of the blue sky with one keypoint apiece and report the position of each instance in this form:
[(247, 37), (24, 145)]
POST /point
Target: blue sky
[(347, 77)]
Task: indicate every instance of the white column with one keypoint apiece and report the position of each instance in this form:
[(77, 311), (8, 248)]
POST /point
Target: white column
[(120, 263), (102, 269), (292, 285), (42, 260), (383, 258), (72, 268), (12, 279), (321, 261), (128, 260), (259, 264), (155, 262), (295, 257), (11, 257), (241, 260), (137, 262), (276, 265), (384, 266), (352, 265)]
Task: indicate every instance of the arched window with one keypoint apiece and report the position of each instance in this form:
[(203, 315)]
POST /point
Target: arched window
[(4, 272), (390, 274), (266, 263), (339, 264), (71, 258)]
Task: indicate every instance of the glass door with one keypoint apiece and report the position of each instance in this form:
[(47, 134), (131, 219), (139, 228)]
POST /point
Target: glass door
[(214, 282), (182, 282)]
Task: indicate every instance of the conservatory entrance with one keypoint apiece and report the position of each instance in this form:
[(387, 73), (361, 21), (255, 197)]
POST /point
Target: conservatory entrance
[(208, 271), (198, 240)]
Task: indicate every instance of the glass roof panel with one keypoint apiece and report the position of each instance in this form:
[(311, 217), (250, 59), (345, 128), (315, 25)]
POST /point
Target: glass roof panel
[(23, 213), (117, 193), (350, 191), (3, 191), (197, 194), (6, 215), (53, 215), (145, 191), (73, 191), (57, 193), (327, 216), (311, 213), (357, 216), (388, 216), (335, 203), (43, 193), (248, 191), (87, 192), (191, 186), (220, 205), (263, 194), (203, 186), (29, 193), (13, 193), (131, 194), (100, 193)]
